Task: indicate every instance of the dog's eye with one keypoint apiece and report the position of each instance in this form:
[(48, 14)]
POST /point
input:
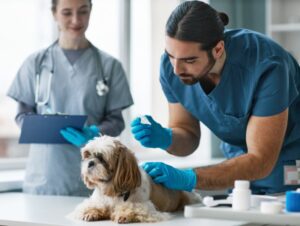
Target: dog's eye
[(100, 157)]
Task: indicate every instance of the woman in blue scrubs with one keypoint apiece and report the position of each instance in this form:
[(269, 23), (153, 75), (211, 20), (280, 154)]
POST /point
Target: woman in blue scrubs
[(77, 87), (240, 84)]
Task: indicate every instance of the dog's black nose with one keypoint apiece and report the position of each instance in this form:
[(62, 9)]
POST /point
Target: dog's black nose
[(91, 164)]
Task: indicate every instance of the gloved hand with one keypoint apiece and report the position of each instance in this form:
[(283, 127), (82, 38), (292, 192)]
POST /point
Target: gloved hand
[(171, 177), (80, 138), (151, 136)]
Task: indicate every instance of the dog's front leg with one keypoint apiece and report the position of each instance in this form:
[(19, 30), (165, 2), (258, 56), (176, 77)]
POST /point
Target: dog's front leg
[(96, 214), (88, 211)]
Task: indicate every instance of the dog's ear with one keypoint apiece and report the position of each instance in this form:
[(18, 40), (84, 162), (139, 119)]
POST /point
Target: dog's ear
[(127, 175), (85, 153)]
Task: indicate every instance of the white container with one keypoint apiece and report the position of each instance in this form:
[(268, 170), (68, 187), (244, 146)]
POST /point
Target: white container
[(241, 195), (271, 207)]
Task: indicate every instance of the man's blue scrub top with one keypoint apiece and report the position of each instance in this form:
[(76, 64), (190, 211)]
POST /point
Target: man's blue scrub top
[(259, 78)]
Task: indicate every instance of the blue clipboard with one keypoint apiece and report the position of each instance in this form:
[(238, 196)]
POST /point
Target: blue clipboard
[(45, 129)]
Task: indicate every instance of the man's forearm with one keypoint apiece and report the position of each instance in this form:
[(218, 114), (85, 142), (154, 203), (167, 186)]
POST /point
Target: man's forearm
[(183, 142), (223, 175)]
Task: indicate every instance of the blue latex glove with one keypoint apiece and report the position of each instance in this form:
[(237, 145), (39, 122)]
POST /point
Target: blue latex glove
[(151, 136), (80, 138), (171, 177)]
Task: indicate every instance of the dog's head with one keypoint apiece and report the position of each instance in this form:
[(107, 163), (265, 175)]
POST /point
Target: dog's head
[(109, 165)]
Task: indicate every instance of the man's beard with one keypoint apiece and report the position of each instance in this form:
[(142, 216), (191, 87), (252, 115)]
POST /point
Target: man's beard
[(189, 79)]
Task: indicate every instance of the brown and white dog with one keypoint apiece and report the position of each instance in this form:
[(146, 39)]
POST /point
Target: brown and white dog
[(123, 192)]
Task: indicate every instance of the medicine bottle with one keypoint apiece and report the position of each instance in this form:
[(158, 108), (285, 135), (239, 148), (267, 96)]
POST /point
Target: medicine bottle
[(241, 195)]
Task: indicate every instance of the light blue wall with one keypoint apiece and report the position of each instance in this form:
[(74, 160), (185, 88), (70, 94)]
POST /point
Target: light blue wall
[(243, 13)]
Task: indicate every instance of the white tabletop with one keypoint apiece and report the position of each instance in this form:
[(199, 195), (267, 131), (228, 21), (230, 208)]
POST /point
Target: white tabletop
[(253, 215), (11, 179), (18, 209)]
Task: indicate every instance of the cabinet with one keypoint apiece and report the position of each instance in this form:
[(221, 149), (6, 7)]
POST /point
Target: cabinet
[(283, 24)]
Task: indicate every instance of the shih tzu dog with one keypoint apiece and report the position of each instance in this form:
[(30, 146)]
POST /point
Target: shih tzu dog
[(123, 192)]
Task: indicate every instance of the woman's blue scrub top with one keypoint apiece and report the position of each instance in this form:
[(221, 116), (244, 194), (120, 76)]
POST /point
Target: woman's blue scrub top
[(54, 169), (259, 78)]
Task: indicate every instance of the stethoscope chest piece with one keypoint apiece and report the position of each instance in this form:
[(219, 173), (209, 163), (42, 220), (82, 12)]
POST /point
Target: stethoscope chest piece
[(102, 88)]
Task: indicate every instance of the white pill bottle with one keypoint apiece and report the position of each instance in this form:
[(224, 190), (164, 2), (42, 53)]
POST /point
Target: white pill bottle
[(241, 195)]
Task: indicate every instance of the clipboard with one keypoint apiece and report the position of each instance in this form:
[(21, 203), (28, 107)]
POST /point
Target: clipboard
[(45, 129)]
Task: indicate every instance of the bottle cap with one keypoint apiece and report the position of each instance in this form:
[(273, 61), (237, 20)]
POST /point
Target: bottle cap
[(292, 201), (241, 184)]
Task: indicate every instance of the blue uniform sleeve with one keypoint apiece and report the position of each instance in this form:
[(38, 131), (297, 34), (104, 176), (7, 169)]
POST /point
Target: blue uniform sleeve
[(166, 70), (112, 123), (119, 96), (23, 110), (23, 87), (276, 88)]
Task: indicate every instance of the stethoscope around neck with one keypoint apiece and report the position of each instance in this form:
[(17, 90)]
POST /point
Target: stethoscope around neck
[(102, 87)]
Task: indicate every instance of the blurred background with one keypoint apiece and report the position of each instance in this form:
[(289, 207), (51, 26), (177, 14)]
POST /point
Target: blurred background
[(133, 32)]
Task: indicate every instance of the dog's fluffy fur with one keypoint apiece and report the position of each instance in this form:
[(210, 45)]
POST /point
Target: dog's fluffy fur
[(123, 192)]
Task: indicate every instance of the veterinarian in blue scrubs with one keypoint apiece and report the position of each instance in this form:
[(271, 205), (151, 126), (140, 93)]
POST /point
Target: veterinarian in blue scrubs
[(84, 81), (243, 86)]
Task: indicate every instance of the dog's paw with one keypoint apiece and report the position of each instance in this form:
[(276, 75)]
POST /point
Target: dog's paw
[(95, 214), (132, 218), (123, 220), (136, 212)]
